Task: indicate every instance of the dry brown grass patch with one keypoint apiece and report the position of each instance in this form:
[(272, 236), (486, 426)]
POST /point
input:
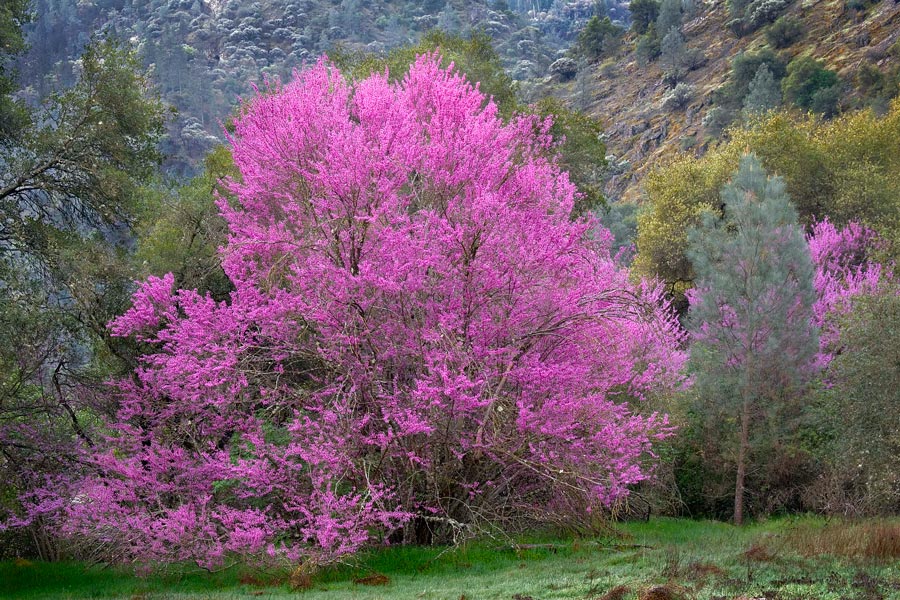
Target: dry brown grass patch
[(874, 540), (661, 592), (617, 593), (758, 553), (301, 578), (699, 570), (373, 579)]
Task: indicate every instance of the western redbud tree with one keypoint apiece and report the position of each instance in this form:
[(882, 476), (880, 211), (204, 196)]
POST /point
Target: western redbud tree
[(420, 342)]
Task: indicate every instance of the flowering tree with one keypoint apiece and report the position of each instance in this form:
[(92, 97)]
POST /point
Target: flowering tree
[(845, 270), (420, 340)]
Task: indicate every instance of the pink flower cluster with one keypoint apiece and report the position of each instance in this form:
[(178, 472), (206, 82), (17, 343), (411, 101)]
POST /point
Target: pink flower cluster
[(417, 331), (845, 268)]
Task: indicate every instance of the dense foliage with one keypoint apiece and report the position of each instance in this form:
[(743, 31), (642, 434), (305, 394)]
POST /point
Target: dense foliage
[(846, 169), (420, 341)]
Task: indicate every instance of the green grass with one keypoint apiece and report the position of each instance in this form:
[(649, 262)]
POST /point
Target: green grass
[(696, 560)]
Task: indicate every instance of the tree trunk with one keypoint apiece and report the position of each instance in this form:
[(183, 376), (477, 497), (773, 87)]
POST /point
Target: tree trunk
[(743, 448)]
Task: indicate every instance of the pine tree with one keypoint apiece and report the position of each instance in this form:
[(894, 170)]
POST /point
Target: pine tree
[(672, 55), (643, 14), (669, 16), (764, 93), (752, 308)]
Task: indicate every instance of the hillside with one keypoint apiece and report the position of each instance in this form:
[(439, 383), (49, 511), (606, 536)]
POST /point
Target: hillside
[(629, 95), (205, 54)]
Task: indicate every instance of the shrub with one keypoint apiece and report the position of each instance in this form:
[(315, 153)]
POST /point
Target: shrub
[(784, 32), (763, 12), (717, 119), (679, 97), (808, 84)]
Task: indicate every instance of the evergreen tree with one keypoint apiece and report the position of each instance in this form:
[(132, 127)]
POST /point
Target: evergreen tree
[(13, 13), (764, 93), (669, 16), (752, 308), (672, 55), (643, 14), (599, 37)]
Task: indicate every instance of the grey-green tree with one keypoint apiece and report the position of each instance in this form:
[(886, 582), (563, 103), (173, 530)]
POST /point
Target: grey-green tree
[(750, 315), (670, 16), (764, 93), (673, 52)]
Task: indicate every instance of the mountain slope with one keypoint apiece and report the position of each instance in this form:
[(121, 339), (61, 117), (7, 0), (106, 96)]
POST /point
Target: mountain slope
[(629, 96)]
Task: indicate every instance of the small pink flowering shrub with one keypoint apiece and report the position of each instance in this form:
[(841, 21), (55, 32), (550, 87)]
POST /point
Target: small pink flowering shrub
[(419, 340), (844, 269)]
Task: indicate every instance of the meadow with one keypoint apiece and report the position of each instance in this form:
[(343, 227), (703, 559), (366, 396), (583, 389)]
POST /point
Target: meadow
[(661, 559)]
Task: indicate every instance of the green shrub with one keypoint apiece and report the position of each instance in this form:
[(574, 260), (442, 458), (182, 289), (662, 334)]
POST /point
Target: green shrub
[(808, 84), (784, 32)]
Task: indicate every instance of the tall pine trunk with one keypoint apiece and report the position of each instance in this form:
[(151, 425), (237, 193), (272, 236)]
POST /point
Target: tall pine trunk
[(743, 449)]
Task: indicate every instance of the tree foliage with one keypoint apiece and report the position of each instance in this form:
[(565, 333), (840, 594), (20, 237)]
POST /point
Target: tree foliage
[(643, 14), (754, 341), (581, 150), (67, 196), (599, 38), (81, 165), (846, 169), (180, 230), (419, 339), (13, 116)]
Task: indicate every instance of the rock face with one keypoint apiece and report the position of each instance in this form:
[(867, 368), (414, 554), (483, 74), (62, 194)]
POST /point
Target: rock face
[(564, 69)]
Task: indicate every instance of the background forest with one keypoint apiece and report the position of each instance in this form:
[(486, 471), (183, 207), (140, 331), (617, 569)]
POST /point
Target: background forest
[(711, 333)]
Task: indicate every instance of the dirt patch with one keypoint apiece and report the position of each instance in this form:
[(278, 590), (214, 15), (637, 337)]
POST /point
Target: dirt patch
[(373, 579), (758, 553), (661, 592), (617, 593)]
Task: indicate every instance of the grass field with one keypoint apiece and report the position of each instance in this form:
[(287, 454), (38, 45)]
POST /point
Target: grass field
[(664, 559)]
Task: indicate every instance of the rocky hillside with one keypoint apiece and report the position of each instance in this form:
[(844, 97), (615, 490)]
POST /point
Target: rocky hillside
[(631, 95), (206, 53)]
